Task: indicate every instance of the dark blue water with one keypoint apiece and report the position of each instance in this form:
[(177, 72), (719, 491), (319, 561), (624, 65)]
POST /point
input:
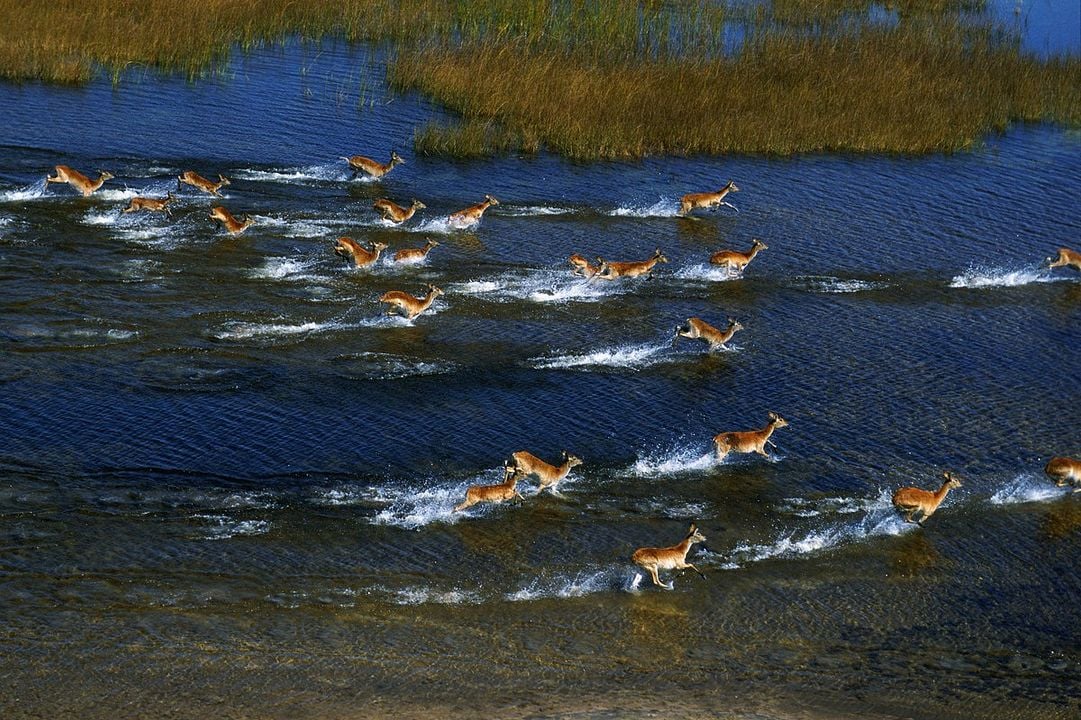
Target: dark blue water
[(226, 478)]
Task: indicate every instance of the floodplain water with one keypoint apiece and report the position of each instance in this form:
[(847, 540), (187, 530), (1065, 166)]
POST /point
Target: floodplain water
[(226, 479)]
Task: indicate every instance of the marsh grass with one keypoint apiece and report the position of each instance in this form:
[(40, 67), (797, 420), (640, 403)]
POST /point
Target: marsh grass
[(607, 78)]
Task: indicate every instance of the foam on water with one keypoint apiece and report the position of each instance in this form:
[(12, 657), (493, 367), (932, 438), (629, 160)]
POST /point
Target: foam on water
[(707, 273), (543, 286), (681, 459), (624, 356), (223, 527), (804, 507), (535, 211), (34, 191), (414, 509), (283, 268), (984, 277), (832, 285), (878, 519), (584, 582), (427, 595), (1026, 488), (662, 208), (335, 172), (384, 366)]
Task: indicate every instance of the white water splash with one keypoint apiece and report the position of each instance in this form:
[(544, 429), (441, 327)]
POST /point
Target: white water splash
[(681, 459), (879, 519), (432, 596), (585, 582), (223, 527), (440, 226), (662, 208), (384, 366), (336, 172), (707, 273), (544, 286), (34, 191), (625, 356), (1026, 488), (535, 211), (833, 285), (805, 507), (284, 268), (982, 277), (418, 508)]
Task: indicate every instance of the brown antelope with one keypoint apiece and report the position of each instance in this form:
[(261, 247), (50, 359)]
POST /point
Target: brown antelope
[(347, 248), (583, 266), (190, 177), (234, 226), (527, 464), (498, 493), (709, 200), (1065, 258), (668, 558), (395, 213), (415, 254), (911, 500), (749, 441), (77, 180), (1064, 471), (698, 329), (615, 270), (405, 304), (736, 260), (472, 214), (149, 204), (370, 167)]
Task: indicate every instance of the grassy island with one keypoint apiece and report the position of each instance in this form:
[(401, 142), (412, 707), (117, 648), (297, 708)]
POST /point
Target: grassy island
[(593, 79)]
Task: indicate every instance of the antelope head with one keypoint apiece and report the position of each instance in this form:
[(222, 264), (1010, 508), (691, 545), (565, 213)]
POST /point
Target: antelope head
[(734, 324), (695, 535), (224, 180), (759, 244), (417, 204), (731, 186), (571, 460), (777, 421), (491, 200), (436, 292), (659, 256), (952, 481), (396, 159)]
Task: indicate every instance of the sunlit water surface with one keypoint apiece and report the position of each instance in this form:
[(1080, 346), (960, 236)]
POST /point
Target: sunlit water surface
[(226, 480)]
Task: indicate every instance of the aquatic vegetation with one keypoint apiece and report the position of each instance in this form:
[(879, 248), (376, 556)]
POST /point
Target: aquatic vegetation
[(592, 80)]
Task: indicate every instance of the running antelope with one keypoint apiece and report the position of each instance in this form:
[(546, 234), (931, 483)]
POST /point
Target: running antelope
[(736, 260), (698, 329), (77, 180), (749, 441), (668, 558), (614, 270), (234, 226), (395, 213), (583, 266), (505, 490), (911, 500), (709, 200), (1064, 471), (405, 304), (472, 214), (527, 464), (370, 167), (150, 204), (190, 177), (349, 248), (1066, 258), (415, 254)]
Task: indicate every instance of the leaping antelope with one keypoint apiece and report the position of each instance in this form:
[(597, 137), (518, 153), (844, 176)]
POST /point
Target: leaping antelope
[(749, 441), (698, 329), (415, 254), (395, 213), (372, 168), (498, 493), (582, 266), (1064, 471), (527, 464), (911, 500), (405, 304), (472, 214), (190, 177), (230, 223), (1065, 258), (668, 558), (614, 270), (735, 260), (347, 248), (77, 180), (710, 200), (150, 204)]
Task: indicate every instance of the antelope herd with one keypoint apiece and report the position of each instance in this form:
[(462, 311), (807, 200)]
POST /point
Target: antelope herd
[(910, 502)]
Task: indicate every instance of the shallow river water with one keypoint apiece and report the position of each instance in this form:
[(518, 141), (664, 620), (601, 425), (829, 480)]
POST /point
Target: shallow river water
[(227, 480)]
